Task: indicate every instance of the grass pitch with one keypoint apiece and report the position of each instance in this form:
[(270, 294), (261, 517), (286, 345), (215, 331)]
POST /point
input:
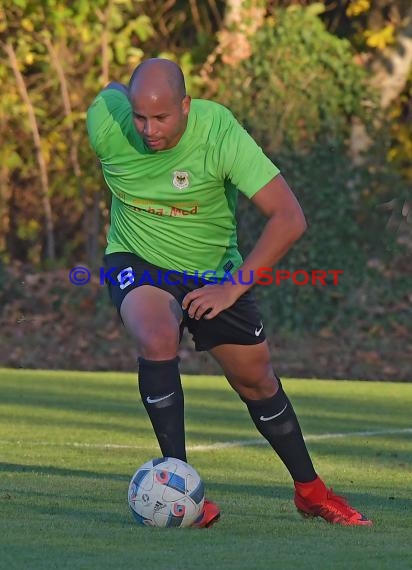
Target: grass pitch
[(69, 443)]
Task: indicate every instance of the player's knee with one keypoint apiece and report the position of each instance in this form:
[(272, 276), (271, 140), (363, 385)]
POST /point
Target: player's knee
[(256, 384), (160, 343)]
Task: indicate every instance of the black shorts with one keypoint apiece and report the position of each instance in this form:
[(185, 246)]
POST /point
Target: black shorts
[(239, 324)]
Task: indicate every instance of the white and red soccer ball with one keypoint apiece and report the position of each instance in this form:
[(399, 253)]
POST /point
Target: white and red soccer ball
[(166, 492)]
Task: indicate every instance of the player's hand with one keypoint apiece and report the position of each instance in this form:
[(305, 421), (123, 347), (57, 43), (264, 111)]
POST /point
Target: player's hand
[(210, 300)]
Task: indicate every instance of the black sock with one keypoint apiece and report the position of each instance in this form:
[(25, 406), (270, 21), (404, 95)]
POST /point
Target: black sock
[(162, 396), (276, 420)]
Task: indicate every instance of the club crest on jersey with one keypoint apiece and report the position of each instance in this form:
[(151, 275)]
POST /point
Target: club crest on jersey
[(180, 179)]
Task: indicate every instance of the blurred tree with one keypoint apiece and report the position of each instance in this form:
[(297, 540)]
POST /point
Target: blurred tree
[(298, 92), (60, 57), (19, 53)]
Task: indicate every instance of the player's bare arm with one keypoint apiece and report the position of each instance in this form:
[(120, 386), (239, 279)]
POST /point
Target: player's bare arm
[(286, 224)]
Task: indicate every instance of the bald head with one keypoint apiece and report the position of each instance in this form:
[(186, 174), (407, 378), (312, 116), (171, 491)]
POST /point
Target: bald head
[(156, 76), (160, 106)]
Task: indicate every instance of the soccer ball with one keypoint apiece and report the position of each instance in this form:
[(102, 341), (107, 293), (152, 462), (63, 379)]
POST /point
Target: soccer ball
[(166, 492)]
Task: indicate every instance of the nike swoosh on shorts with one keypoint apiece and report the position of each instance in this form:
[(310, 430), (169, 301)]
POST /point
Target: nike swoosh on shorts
[(258, 331)]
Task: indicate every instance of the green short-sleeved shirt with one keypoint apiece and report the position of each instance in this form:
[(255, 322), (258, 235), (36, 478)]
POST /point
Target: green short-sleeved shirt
[(176, 208)]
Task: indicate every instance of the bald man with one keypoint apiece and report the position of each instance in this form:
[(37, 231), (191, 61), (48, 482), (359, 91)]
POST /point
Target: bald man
[(174, 167)]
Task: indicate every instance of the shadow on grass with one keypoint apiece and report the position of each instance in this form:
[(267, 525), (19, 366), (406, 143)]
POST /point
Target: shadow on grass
[(121, 398), (272, 502)]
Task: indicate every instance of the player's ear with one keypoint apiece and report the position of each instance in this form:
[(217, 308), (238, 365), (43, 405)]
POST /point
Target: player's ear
[(186, 104)]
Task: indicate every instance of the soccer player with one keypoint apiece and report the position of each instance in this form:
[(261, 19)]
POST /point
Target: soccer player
[(174, 167)]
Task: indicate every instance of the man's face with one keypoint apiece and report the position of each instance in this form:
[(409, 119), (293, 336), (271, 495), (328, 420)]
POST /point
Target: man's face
[(160, 119)]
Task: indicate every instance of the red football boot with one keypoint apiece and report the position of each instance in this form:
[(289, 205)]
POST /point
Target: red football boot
[(315, 500), (209, 515)]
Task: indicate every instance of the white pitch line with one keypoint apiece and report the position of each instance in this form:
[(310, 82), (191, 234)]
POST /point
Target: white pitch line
[(314, 437), (211, 446)]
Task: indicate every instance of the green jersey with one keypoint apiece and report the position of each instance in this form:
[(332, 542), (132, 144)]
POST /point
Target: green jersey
[(175, 208)]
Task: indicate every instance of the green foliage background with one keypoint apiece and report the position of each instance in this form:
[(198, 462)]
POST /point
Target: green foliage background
[(298, 94)]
